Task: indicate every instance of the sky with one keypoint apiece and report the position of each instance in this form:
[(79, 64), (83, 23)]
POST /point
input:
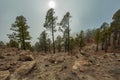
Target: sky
[(86, 14)]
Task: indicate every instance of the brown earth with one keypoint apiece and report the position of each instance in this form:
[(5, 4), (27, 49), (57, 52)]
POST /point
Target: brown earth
[(17, 64)]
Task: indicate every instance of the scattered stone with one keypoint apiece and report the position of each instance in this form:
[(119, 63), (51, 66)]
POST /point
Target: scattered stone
[(118, 60), (88, 77), (2, 57), (10, 53), (115, 71), (4, 75), (24, 57), (51, 60), (76, 65), (24, 69), (61, 66), (4, 66), (80, 65), (67, 76), (85, 54), (22, 52), (60, 60), (92, 60), (108, 77), (46, 65)]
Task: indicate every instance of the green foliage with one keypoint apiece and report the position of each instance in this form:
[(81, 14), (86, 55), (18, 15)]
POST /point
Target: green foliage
[(28, 46), (49, 43), (2, 43), (58, 43), (116, 16), (13, 40), (89, 35), (50, 24), (20, 28), (97, 37), (72, 44), (37, 47), (42, 41), (65, 39), (12, 44), (104, 35), (115, 29), (80, 38)]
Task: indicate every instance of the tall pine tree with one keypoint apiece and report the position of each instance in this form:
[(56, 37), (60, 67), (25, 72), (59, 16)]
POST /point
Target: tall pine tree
[(43, 41), (65, 23), (20, 27), (50, 24)]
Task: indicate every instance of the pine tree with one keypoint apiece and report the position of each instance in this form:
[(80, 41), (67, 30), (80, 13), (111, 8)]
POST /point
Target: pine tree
[(115, 29), (20, 28), (50, 24), (89, 34), (2, 43), (72, 44), (97, 38), (43, 41), (37, 46), (58, 43), (81, 39), (65, 23), (49, 44), (103, 35), (13, 40)]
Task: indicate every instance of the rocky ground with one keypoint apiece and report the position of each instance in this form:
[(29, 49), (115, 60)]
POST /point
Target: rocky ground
[(17, 64)]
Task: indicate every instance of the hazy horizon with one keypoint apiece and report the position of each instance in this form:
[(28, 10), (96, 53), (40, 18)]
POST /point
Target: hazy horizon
[(85, 14)]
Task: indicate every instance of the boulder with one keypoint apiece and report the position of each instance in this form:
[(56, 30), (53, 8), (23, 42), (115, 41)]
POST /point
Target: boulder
[(4, 66), (2, 57), (85, 54), (25, 52), (59, 60), (10, 53), (67, 76), (80, 65), (56, 59), (118, 60), (24, 69), (87, 77), (4, 75), (24, 57), (76, 65)]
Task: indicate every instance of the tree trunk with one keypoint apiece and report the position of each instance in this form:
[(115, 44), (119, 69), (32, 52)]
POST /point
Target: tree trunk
[(45, 49), (68, 37), (106, 45), (59, 48), (102, 46), (24, 44), (109, 40), (23, 40), (97, 46), (118, 39), (80, 49), (114, 41), (65, 45), (53, 39), (49, 48)]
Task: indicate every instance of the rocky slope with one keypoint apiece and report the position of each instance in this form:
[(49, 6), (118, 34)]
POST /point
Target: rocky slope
[(16, 64)]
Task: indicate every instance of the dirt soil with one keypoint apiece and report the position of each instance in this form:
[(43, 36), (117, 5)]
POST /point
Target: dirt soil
[(59, 66)]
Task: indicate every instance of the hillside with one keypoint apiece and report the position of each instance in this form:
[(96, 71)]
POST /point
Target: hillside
[(17, 64)]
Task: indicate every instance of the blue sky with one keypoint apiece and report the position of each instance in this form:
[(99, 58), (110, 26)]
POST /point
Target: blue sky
[(85, 14)]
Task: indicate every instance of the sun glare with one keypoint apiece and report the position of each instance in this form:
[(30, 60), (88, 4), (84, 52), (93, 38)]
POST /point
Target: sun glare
[(52, 4)]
